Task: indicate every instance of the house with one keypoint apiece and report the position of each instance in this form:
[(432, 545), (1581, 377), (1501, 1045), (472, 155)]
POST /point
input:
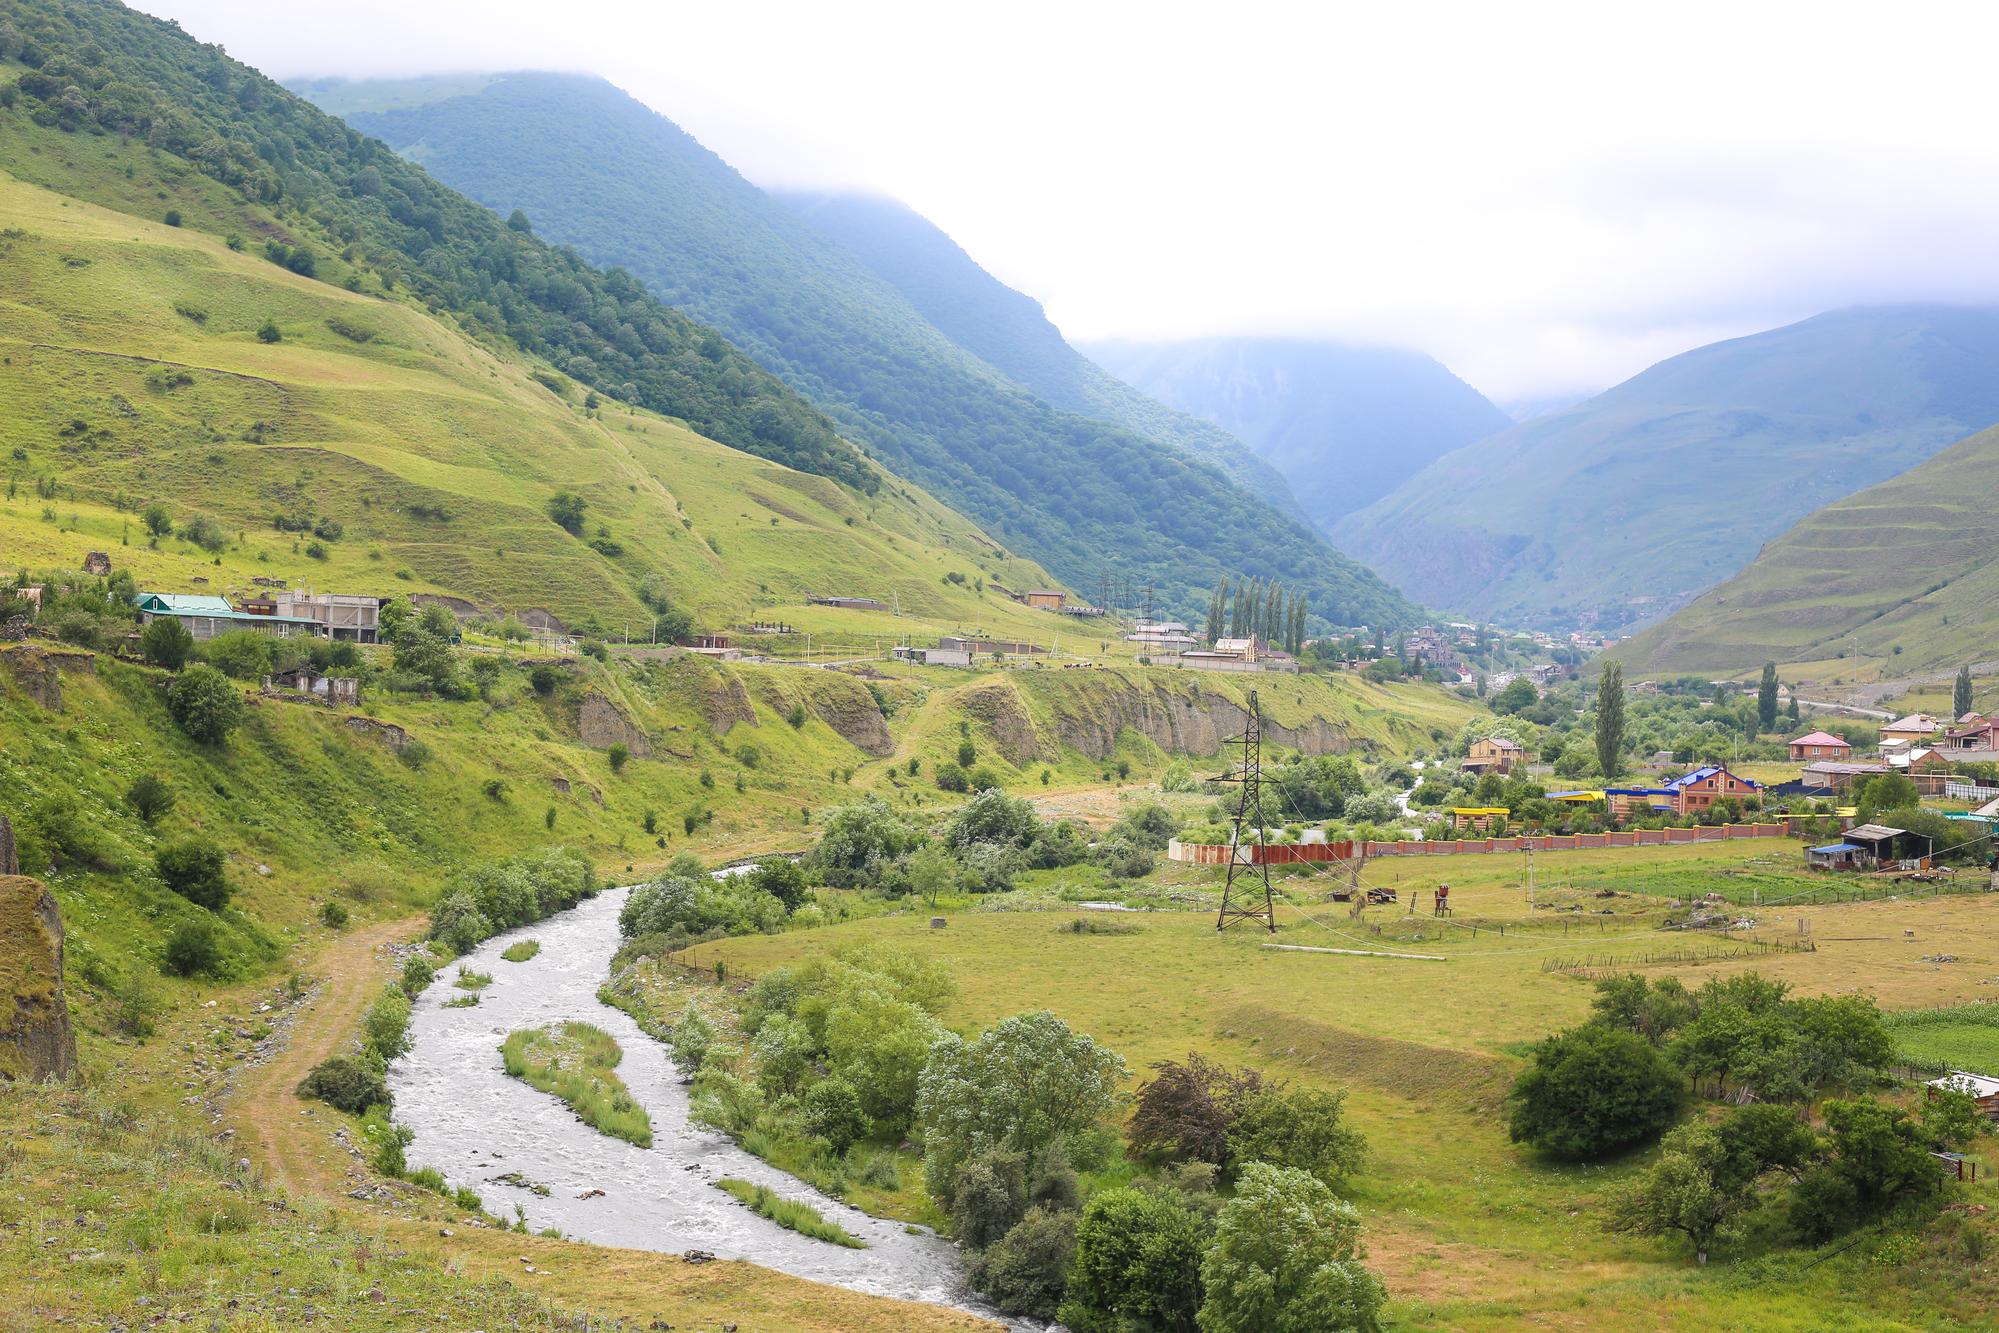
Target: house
[(1627, 801), (1479, 817), (1915, 729), (337, 615), (1493, 754), (1007, 647), (1972, 732), (1206, 659), (948, 657), (1045, 599), (206, 615), (1820, 745), (1247, 649), (1979, 1087), (1696, 791), (1169, 634), (1839, 777)]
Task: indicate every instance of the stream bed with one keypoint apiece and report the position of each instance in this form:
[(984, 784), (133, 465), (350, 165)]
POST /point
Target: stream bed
[(473, 1123)]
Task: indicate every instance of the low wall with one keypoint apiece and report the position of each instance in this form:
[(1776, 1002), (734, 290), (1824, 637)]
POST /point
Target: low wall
[(1286, 853)]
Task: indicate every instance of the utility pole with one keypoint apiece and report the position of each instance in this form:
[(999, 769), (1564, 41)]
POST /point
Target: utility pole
[(1530, 879), (1249, 801)]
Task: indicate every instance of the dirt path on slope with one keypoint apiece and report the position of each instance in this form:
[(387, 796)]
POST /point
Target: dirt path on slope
[(284, 1135)]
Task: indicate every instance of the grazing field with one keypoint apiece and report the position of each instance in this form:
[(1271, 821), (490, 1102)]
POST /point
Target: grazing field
[(578, 1064), (1470, 1231)]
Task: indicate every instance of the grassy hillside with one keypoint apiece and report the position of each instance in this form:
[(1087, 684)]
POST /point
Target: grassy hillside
[(1007, 330), (1617, 511), (1084, 497), (1345, 425), (1903, 576)]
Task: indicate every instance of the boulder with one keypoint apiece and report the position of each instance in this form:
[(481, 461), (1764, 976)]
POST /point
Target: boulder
[(36, 1042)]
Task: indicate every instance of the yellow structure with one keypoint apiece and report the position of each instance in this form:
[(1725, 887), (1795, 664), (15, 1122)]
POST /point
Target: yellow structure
[(1477, 817)]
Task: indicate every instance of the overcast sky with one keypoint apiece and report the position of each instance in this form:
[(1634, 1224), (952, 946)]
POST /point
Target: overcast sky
[(1547, 198)]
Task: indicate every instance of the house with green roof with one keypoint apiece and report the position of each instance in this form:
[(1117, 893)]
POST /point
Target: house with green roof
[(206, 615)]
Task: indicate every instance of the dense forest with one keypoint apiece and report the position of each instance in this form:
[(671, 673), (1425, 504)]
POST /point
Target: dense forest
[(95, 66), (1084, 497)]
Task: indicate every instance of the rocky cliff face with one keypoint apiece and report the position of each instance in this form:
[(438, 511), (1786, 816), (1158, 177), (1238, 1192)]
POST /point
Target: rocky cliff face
[(600, 725), (35, 1038)]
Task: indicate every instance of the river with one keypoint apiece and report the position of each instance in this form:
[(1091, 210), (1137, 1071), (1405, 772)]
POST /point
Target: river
[(474, 1123)]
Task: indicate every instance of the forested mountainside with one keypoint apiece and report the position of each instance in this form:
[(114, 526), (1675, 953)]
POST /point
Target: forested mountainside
[(1345, 425), (373, 221), (1009, 331), (1619, 510), (253, 346), (1084, 497), (1905, 572)]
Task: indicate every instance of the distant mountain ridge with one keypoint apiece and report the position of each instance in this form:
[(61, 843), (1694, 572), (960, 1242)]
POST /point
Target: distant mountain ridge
[(1009, 330), (1086, 498), (1620, 509), (1344, 424), (1905, 572)]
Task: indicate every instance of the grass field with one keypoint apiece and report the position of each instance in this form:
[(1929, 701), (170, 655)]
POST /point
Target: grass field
[(1962, 1036), (1470, 1232)]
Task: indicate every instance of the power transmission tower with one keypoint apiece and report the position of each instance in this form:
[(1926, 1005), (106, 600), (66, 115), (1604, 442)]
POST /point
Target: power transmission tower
[(1241, 905)]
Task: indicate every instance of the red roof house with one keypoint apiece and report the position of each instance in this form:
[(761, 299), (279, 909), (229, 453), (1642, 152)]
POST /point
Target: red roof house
[(1820, 745)]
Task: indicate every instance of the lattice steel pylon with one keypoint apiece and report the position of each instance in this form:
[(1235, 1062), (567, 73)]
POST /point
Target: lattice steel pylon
[(1239, 905)]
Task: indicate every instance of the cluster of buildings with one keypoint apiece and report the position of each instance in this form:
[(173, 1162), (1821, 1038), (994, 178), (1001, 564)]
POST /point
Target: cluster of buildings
[(1170, 643), (281, 612), (1924, 748)]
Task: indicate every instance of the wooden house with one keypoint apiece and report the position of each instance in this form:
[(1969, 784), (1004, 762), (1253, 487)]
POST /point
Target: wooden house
[(1493, 754)]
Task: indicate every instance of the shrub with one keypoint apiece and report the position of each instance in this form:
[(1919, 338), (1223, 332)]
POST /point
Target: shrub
[(194, 949), (833, 1113), (205, 705), (544, 679), (567, 510), (989, 1197), (241, 654), (192, 867), (206, 533), (1027, 1271), (149, 796), (385, 1029), (166, 642), (1296, 1127), (1137, 1264), (950, 777), (993, 817), (1287, 1259), (780, 877), (346, 1084), (1593, 1090), (796, 717), (334, 915), (457, 923), (418, 973), (620, 754), (1185, 1110), (268, 332)]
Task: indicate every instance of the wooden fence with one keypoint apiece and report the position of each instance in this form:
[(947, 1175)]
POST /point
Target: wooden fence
[(1293, 853)]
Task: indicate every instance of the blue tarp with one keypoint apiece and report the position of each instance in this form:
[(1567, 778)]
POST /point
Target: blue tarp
[(1837, 847)]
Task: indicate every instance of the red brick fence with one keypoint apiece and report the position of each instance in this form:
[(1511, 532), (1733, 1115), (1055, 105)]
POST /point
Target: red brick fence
[(1288, 853)]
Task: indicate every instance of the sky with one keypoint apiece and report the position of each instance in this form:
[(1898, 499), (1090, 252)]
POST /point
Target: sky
[(1545, 197)]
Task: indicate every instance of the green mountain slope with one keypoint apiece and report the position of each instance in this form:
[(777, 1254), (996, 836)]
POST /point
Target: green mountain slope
[(1009, 331), (1619, 510), (1906, 572), (1084, 497), (1345, 425)]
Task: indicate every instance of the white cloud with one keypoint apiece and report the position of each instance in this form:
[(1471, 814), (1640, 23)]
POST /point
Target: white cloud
[(1543, 196)]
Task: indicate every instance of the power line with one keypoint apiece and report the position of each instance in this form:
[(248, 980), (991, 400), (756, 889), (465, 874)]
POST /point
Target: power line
[(1250, 775)]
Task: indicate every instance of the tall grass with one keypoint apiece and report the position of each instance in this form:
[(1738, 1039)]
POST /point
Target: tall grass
[(521, 950), (800, 1217), (576, 1063)]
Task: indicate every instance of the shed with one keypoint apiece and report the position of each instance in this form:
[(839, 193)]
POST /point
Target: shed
[(1885, 846), (1982, 1089), (1478, 817), (1833, 856)]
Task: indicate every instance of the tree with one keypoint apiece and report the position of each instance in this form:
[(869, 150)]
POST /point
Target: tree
[(995, 817), (1876, 1156), (1610, 719), (1026, 1271), (1023, 1084), (1287, 1259), (882, 1045), (567, 508), (150, 797), (1137, 1266), (833, 1112), (240, 654), (166, 643), (780, 877), (1593, 1090), (1296, 1127), (1885, 791), (1518, 694), (1690, 1190), (1766, 699), (1185, 1110), (860, 840), (1960, 692), (158, 522), (192, 867), (1655, 1011), (423, 654), (204, 704)]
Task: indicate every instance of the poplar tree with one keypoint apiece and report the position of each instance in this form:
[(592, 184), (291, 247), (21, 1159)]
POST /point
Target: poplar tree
[(1610, 719), (1960, 693), (1766, 698)]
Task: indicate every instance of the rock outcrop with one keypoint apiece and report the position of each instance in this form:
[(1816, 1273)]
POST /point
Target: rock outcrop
[(34, 671), (724, 702), (36, 1042), (1090, 716), (600, 725), (387, 732)]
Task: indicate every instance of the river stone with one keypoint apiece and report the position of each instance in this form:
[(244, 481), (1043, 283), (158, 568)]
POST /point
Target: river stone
[(36, 1042)]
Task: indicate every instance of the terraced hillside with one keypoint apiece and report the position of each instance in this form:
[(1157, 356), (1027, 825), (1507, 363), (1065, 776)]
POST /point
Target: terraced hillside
[(1901, 578)]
